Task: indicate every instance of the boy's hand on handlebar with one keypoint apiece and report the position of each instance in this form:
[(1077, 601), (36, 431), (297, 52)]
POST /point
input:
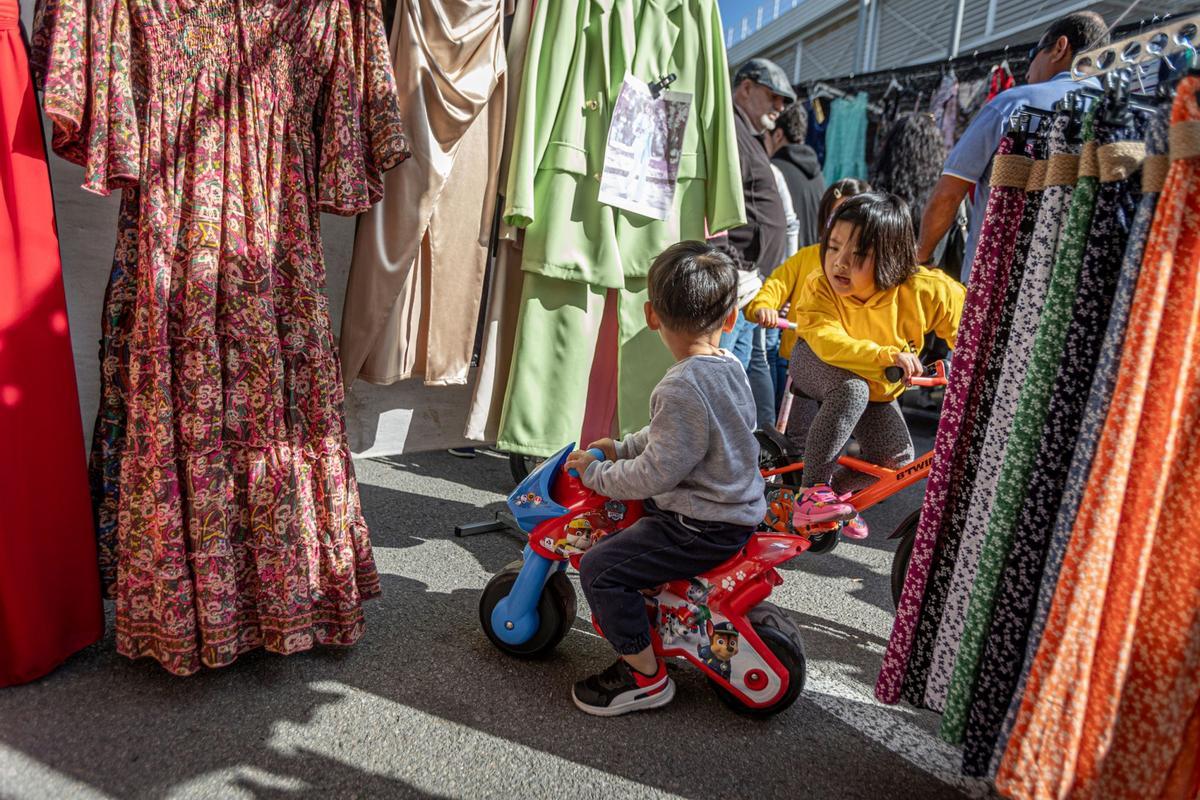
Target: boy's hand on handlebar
[(910, 364), (579, 461), (608, 446), (767, 317)]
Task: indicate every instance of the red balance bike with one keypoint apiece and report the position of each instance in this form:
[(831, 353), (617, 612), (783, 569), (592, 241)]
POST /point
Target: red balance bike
[(749, 649)]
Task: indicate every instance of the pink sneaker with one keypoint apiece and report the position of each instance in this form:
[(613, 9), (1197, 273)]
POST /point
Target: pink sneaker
[(820, 504), (855, 528)]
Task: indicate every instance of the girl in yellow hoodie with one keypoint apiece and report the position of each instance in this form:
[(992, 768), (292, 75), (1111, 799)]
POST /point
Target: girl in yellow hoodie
[(868, 308)]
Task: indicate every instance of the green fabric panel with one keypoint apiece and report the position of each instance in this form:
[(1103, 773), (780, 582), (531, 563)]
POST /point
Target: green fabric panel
[(643, 357), (552, 362)]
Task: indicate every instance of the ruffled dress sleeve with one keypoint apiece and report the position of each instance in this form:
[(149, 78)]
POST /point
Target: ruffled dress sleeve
[(362, 134), (83, 57)]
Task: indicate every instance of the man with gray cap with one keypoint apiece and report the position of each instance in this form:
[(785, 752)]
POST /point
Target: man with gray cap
[(761, 90)]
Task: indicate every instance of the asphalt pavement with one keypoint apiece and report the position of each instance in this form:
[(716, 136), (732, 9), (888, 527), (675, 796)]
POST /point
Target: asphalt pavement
[(424, 706)]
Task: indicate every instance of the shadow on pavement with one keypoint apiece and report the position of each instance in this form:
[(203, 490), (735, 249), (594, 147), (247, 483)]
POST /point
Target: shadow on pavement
[(131, 730)]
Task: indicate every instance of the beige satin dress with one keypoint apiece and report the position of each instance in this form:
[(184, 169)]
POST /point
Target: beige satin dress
[(498, 339), (420, 256)]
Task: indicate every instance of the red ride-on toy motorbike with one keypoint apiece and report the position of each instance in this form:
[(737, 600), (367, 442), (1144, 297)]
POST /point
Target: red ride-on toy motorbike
[(750, 650)]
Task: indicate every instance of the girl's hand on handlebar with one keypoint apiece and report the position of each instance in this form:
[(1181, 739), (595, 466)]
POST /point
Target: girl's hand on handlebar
[(910, 364), (767, 317), (608, 446), (579, 461)]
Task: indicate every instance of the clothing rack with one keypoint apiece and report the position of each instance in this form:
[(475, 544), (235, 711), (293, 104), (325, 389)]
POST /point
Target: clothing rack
[(1178, 35), (822, 89), (977, 64)]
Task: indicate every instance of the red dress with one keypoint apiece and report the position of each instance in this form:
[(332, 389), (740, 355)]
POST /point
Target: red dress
[(49, 582)]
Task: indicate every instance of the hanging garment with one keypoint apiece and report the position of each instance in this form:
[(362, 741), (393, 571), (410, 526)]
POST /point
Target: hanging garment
[(230, 515), (988, 366), (971, 97), (559, 145), (974, 338), (562, 127), (910, 163), (846, 139), (1024, 433), (945, 597), (814, 137), (557, 334), (1114, 686), (420, 255), (503, 287), (49, 587), (1000, 80), (944, 106), (1119, 158), (1154, 173)]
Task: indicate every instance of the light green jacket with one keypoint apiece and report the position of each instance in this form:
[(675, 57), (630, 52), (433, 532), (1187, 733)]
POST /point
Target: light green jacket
[(579, 53)]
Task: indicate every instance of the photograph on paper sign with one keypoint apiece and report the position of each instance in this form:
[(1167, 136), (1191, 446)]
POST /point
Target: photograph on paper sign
[(645, 140)]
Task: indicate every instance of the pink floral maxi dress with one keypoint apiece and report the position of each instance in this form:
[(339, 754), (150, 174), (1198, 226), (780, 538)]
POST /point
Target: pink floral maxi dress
[(226, 504)]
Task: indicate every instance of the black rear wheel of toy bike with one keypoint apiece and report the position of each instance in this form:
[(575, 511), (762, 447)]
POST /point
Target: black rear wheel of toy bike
[(907, 534), (782, 636), (556, 612), (520, 466), (824, 542), (771, 453)]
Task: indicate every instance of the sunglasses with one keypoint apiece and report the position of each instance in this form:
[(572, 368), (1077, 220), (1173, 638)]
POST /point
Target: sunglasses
[(1037, 48)]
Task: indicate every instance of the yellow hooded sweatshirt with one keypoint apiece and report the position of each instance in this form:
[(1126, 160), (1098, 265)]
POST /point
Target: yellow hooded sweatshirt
[(864, 338), (786, 284)]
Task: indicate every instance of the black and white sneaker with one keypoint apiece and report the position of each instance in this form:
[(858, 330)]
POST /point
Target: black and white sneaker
[(621, 689)]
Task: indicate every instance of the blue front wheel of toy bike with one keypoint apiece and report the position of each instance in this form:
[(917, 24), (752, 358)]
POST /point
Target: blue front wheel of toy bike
[(555, 611)]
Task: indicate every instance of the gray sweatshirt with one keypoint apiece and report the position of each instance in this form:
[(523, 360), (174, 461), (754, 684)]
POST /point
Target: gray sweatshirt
[(698, 456)]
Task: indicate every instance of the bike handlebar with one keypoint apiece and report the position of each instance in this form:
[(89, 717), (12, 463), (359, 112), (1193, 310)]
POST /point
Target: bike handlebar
[(938, 377), (595, 451)]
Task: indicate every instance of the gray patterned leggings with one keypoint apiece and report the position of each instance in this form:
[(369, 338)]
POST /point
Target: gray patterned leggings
[(879, 428)]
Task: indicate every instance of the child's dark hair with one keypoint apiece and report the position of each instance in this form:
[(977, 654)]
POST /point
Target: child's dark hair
[(693, 286), (884, 227), (845, 188)]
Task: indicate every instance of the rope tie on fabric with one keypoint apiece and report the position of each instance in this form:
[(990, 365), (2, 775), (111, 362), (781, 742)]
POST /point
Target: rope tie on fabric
[(1037, 176), (1119, 160), (1063, 170), (1185, 139), (1154, 172), (1011, 171), (1089, 162)]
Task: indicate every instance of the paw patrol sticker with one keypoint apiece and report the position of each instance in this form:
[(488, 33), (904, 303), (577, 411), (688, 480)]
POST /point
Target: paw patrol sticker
[(529, 499), (581, 532), (722, 647)]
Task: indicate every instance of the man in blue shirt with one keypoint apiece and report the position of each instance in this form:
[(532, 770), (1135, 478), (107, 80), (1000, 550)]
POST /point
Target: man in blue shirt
[(970, 162)]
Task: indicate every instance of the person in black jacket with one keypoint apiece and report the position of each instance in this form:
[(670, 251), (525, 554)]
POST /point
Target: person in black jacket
[(800, 167), (760, 92)]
